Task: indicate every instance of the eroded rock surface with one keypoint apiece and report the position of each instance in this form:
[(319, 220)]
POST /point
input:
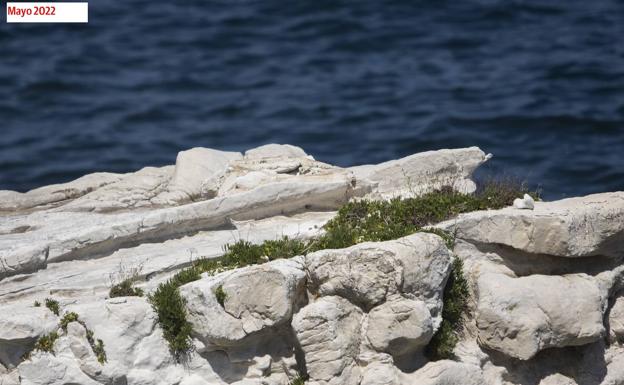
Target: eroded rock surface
[(575, 227), (521, 316), (256, 298), (545, 283), (328, 331)]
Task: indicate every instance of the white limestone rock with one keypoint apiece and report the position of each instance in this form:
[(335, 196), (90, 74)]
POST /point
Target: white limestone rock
[(417, 266), (10, 378), (48, 196), (257, 298), (61, 236), (128, 329), (273, 150), (424, 172), (380, 373), (91, 278), (616, 320), (575, 227), (522, 316), (557, 379), (20, 327), (135, 190), (47, 369), (615, 367), (399, 326), (445, 372), (328, 331), (198, 175), (365, 274)]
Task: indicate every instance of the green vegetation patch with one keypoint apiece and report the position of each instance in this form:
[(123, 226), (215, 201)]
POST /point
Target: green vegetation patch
[(300, 379), (169, 305), (125, 288), (67, 319), (221, 295), (456, 296), (45, 343), (97, 346), (358, 221), (53, 305)]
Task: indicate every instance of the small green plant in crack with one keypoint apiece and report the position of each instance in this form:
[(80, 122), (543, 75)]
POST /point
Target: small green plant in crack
[(53, 305), (125, 288), (97, 346), (221, 295), (45, 343), (455, 304), (170, 307), (123, 280), (37, 304), (67, 319), (300, 379)]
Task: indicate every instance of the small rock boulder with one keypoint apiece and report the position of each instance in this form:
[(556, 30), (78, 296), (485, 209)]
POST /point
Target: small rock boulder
[(275, 151), (197, 174), (424, 172), (616, 320), (575, 227), (522, 316), (365, 274), (446, 372), (399, 326), (416, 266), (328, 331), (20, 327), (255, 298)]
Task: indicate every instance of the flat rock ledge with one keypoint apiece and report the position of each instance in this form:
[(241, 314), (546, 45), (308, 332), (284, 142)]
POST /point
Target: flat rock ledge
[(546, 304)]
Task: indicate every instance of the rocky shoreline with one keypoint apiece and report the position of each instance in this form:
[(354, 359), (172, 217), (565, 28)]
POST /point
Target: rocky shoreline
[(544, 281)]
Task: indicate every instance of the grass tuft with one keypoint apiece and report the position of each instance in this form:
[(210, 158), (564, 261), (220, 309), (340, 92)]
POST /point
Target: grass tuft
[(37, 304), (53, 305), (67, 319), (169, 305), (45, 343), (125, 289), (300, 379), (221, 295), (456, 295), (97, 346)]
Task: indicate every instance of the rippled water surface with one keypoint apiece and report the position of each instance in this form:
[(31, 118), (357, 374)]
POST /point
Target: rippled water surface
[(540, 84)]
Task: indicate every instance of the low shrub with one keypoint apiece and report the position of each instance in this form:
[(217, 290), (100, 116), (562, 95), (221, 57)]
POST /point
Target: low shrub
[(169, 305), (67, 319), (125, 288), (455, 304), (300, 379), (97, 346), (53, 305), (221, 295), (45, 343)]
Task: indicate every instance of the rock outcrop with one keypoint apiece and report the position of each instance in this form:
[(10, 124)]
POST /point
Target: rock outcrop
[(545, 279)]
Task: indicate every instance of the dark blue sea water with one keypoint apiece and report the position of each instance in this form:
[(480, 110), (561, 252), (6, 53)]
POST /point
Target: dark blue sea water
[(538, 83)]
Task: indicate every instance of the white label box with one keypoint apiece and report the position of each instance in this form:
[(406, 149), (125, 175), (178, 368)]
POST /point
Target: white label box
[(40, 12)]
